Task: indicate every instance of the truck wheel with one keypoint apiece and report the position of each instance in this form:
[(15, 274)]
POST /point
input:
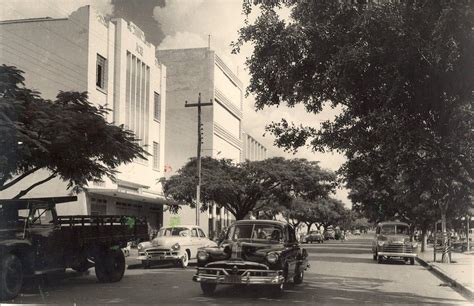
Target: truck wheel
[(208, 288), (298, 278), (111, 267), (11, 277)]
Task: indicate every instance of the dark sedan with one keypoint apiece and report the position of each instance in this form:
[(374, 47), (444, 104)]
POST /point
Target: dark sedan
[(254, 252)]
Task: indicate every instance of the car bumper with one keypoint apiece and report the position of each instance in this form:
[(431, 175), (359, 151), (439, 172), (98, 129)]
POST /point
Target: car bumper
[(266, 277), (160, 257), (391, 254)]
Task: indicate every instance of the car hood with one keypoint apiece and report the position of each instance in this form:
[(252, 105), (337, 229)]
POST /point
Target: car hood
[(168, 241), (250, 251)]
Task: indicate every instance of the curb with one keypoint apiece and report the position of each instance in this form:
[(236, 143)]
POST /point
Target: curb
[(462, 289)]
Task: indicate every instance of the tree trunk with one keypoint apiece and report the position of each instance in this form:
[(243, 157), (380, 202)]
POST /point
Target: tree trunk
[(446, 257), (424, 238)]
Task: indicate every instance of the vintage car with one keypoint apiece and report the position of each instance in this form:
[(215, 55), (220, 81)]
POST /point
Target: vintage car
[(356, 232), (315, 236), (392, 240), (253, 252), (178, 244), (329, 234)]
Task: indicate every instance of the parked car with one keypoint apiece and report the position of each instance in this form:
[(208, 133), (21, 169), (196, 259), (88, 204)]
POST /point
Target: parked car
[(392, 240), (329, 234), (34, 240), (315, 236), (356, 232), (176, 244), (254, 252)]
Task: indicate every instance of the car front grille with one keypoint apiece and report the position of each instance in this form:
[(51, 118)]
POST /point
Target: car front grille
[(160, 252), (398, 248), (236, 268)]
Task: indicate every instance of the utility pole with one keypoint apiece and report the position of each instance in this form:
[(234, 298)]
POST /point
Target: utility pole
[(199, 131)]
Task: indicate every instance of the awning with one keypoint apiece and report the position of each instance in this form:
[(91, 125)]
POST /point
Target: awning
[(147, 197)]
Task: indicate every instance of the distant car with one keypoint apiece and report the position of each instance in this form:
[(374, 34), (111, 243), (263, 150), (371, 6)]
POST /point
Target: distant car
[(356, 232), (176, 244), (254, 252), (392, 239), (315, 236), (329, 234)]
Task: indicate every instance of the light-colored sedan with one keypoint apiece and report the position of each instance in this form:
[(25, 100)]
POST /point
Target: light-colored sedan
[(178, 244)]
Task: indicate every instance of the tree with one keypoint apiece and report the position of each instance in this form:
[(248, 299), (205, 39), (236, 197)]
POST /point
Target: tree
[(69, 137), (401, 71), (249, 187)]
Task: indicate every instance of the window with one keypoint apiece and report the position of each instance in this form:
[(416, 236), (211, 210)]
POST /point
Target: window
[(101, 72), (156, 155), (201, 233), (157, 106), (194, 233)]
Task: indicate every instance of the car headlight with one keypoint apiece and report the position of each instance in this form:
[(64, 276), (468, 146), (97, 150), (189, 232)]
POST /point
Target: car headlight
[(176, 246), (415, 244), (380, 243), (272, 258), (202, 255), (140, 246)]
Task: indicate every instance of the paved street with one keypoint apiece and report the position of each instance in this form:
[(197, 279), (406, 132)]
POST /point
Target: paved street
[(341, 273)]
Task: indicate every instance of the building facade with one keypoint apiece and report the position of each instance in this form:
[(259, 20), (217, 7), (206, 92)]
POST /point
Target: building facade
[(253, 150), (113, 62), (190, 72)]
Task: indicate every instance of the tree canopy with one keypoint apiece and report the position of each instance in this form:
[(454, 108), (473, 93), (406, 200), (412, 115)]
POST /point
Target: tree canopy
[(249, 187), (400, 71), (68, 136)]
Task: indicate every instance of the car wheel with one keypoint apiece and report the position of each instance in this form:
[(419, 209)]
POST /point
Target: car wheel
[(208, 288), (412, 261), (277, 290), (379, 259), (374, 256), (298, 278), (11, 278), (82, 266), (183, 263)]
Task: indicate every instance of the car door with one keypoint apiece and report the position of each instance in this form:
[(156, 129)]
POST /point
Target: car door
[(194, 239), (203, 240), (291, 249)]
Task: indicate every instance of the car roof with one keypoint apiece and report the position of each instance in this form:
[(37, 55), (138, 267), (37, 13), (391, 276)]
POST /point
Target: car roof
[(392, 223), (275, 222)]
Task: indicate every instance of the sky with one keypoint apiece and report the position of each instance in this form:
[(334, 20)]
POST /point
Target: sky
[(171, 24)]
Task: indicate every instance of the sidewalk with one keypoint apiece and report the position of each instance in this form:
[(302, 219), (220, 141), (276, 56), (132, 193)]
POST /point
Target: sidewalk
[(459, 273)]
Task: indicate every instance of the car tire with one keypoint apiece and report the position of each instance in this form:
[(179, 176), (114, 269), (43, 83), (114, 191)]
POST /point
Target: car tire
[(184, 261), (412, 261), (208, 288), (374, 256), (277, 290), (11, 278), (110, 267), (379, 259), (298, 278)]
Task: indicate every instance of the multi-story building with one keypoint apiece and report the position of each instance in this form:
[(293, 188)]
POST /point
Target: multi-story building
[(190, 72), (253, 150), (114, 63)]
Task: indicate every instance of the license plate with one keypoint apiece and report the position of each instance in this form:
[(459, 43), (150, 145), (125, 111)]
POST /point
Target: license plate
[(233, 279)]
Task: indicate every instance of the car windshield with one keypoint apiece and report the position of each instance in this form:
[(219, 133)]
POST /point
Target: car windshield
[(394, 230), (255, 232), (173, 231)]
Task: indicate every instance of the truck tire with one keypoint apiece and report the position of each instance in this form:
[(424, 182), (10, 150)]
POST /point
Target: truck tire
[(110, 267), (11, 277), (82, 266)]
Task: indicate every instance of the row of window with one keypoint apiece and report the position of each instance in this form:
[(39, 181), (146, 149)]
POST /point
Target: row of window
[(137, 102)]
